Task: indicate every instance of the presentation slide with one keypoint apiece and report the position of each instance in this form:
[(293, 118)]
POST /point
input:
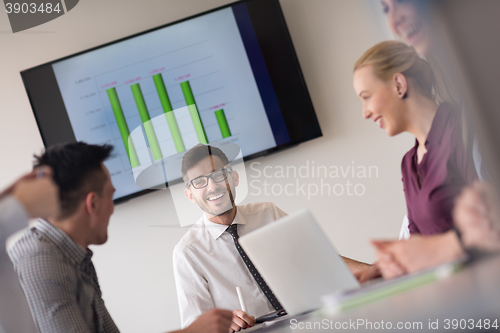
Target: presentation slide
[(184, 84)]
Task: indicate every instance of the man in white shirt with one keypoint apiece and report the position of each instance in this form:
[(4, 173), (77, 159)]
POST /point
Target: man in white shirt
[(29, 197), (208, 265)]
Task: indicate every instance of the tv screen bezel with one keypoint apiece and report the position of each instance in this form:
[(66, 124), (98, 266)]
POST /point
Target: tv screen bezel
[(277, 26)]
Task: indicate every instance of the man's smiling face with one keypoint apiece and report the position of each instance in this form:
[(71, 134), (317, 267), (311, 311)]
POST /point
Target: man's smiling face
[(216, 198)]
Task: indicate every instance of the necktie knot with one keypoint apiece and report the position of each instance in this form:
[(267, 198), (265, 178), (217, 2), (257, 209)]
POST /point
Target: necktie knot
[(233, 230)]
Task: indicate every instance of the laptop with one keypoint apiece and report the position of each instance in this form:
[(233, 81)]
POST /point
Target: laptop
[(298, 262)]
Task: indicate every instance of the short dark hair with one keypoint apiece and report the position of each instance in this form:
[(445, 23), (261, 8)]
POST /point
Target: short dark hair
[(198, 153), (77, 171)]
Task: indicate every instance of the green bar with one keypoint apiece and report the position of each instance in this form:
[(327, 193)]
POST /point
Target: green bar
[(123, 127), (193, 111), (146, 121), (224, 127), (169, 114), (198, 126), (162, 92), (175, 132)]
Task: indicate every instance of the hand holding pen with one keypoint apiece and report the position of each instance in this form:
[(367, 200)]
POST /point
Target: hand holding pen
[(241, 319)]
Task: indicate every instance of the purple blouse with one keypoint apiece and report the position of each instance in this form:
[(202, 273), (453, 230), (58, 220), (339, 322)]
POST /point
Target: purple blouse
[(444, 170)]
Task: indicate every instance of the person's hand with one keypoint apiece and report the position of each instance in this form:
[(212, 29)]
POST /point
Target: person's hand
[(416, 253), (387, 264), (476, 216), (241, 320), (368, 273), (212, 321), (10, 189), (38, 193)]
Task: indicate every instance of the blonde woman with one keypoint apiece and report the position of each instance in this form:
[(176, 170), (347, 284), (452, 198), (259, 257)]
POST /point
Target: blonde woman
[(411, 20), (396, 87)]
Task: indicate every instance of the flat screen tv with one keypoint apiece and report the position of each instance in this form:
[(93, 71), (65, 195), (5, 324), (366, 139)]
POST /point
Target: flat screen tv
[(229, 74)]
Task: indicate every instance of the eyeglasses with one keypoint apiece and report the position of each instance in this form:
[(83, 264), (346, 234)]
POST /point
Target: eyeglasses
[(217, 176)]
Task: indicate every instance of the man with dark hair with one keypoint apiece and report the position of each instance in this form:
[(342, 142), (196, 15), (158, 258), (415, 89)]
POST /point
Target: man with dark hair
[(213, 156), (196, 154), (208, 262), (78, 170), (207, 267), (52, 259)]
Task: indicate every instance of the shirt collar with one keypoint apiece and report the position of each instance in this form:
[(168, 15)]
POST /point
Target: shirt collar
[(67, 246), (216, 230)]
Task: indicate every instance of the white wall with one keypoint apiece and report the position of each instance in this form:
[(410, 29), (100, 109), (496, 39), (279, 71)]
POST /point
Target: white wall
[(134, 267)]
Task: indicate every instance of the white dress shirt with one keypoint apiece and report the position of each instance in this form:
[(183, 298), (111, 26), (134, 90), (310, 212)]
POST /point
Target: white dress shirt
[(208, 268), (15, 316)]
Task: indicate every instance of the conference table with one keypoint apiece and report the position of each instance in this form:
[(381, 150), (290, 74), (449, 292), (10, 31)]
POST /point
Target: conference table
[(467, 300)]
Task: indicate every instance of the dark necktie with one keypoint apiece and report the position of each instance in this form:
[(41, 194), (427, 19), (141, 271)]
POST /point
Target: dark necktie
[(233, 231)]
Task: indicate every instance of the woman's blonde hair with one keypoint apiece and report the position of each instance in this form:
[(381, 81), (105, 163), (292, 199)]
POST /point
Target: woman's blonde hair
[(391, 57)]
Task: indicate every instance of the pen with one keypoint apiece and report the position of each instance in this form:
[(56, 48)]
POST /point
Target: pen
[(242, 300)]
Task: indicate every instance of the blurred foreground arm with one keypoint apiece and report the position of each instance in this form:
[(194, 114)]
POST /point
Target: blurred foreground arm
[(477, 216), (30, 196), (396, 258)]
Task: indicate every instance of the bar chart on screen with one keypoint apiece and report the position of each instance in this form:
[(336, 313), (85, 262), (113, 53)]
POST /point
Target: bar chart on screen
[(162, 102), (182, 85)]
